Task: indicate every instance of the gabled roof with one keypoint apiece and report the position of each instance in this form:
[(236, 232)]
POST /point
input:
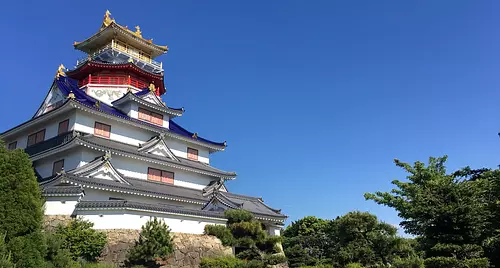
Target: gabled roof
[(135, 187), (98, 168), (170, 192), (91, 66), (157, 143), (110, 29), (81, 100), (129, 205), (63, 191), (142, 97), (71, 139)]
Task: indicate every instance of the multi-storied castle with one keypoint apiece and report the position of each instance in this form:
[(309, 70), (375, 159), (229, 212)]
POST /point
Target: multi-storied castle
[(105, 146)]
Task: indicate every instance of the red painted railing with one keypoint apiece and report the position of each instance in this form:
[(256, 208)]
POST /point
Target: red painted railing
[(114, 80)]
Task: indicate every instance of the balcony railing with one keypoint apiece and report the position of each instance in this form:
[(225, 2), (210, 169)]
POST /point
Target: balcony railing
[(50, 143), (114, 80), (122, 49)]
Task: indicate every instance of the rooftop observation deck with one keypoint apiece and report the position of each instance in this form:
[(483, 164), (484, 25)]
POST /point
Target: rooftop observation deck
[(117, 52)]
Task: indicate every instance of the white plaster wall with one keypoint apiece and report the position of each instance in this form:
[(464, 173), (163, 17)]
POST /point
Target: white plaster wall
[(60, 205), (136, 219), (97, 195), (179, 148), (274, 230), (51, 128), (106, 94), (71, 160), (139, 170), (120, 132)]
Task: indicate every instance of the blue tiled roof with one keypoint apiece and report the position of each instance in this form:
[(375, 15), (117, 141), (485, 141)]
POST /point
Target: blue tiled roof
[(67, 85)]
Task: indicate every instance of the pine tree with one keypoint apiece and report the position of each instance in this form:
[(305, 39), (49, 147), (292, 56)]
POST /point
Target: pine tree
[(155, 244)]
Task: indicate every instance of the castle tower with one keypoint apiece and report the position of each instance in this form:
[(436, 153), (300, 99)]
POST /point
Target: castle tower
[(105, 146)]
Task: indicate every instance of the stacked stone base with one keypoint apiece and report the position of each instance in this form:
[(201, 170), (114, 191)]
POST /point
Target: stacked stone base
[(189, 248)]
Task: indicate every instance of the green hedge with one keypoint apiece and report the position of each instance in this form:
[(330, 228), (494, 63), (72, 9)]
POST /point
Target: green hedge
[(222, 262)]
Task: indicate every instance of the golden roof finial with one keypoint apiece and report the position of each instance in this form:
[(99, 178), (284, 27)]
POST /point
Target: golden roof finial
[(130, 59), (152, 87), (138, 31), (60, 71), (71, 95), (97, 104), (107, 18)]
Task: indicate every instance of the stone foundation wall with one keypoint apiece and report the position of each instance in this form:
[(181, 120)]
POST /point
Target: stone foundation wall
[(51, 221), (189, 248)]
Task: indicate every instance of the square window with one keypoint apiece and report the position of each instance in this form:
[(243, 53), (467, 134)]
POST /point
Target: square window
[(192, 154), (36, 137), (57, 167), (63, 127), (12, 145), (102, 130)]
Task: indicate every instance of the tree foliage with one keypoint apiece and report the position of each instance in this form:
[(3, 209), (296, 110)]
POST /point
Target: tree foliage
[(155, 244), (450, 213), (20, 197), (81, 240), (355, 238), (251, 241)]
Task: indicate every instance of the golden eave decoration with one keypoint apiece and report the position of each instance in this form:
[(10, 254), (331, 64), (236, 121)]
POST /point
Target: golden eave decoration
[(152, 87), (107, 19), (60, 71)]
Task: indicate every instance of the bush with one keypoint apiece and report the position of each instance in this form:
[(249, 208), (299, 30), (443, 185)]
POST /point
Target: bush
[(318, 266), (222, 262), (81, 240), (477, 263), (252, 230), (58, 256), (154, 244), (98, 265), (412, 262), (29, 250), (274, 259), (5, 256), (237, 215), (221, 232), (354, 265), (442, 262)]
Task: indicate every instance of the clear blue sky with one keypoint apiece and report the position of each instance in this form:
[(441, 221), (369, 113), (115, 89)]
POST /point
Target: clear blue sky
[(315, 98)]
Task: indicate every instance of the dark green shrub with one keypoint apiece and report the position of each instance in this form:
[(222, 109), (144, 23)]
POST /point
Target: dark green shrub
[(411, 262), (442, 262), (237, 215), (222, 262), (354, 265), (57, 255), (155, 243), (477, 263), (5, 256), (248, 229), (81, 240), (273, 259), (28, 251), (221, 232)]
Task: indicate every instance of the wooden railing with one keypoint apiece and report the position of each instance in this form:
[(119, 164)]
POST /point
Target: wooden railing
[(113, 80)]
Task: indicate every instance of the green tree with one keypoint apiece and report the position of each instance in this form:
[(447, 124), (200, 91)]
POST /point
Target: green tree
[(447, 212), (251, 241), (359, 237), (20, 197), (81, 240), (305, 241), (20, 209), (155, 244)]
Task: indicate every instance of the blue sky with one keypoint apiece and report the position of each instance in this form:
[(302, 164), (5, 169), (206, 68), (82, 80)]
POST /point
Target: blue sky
[(315, 98)]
